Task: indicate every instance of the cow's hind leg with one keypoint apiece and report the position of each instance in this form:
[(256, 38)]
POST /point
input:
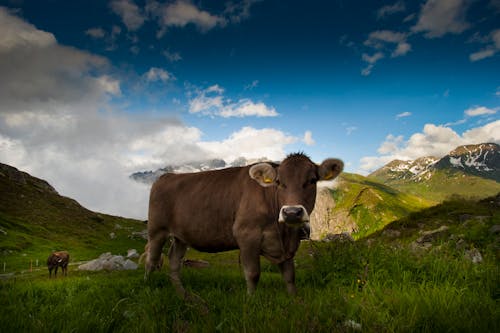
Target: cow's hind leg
[(175, 255), (154, 252)]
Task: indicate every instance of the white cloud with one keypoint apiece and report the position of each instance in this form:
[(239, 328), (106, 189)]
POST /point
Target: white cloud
[(238, 11), (493, 41), (371, 60), (181, 13), (432, 141), (308, 139), (36, 69), (172, 56), (211, 102), (96, 32), (381, 38), (17, 33), (252, 85), (157, 74), (251, 143), (403, 115), (391, 9), (480, 111), (349, 130), (130, 13), (479, 55), (392, 143), (392, 41), (440, 17)]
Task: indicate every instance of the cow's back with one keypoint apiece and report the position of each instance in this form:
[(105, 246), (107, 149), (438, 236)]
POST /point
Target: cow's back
[(199, 208)]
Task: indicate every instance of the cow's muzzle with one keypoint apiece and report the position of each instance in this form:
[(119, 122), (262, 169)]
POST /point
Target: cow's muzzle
[(293, 215)]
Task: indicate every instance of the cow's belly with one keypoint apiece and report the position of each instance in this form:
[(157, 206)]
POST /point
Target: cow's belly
[(206, 235)]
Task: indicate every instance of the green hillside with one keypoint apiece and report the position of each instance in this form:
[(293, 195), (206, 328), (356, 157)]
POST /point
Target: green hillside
[(443, 184), (456, 224), (35, 220), (371, 204)]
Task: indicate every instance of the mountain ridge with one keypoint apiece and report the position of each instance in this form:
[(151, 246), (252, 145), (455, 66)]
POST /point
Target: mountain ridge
[(467, 170), (481, 160)]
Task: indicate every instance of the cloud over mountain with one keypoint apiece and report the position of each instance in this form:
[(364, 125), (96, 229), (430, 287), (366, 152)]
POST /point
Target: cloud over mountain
[(434, 140)]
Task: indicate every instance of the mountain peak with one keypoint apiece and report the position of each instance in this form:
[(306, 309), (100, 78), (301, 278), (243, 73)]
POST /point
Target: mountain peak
[(481, 160)]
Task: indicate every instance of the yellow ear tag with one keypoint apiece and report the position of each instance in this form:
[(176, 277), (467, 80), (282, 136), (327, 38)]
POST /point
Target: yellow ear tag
[(268, 180), (329, 175)]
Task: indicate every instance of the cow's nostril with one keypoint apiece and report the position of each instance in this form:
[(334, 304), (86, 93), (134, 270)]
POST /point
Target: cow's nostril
[(293, 212)]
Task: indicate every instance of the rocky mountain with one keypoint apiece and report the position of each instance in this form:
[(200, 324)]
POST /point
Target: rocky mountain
[(470, 170), (482, 160), (148, 177)]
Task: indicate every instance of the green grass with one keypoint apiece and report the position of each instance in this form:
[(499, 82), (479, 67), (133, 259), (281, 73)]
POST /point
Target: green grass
[(381, 288)]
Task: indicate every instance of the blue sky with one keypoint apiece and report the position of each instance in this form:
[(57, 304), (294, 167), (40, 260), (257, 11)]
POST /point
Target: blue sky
[(94, 90)]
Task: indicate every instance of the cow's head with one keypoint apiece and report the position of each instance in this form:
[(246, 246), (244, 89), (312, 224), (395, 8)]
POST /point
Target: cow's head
[(296, 179)]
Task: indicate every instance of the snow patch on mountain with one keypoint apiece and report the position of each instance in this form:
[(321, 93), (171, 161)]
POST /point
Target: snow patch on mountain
[(481, 160)]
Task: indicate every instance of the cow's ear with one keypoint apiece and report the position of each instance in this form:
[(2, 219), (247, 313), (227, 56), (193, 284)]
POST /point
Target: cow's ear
[(264, 174), (330, 169)]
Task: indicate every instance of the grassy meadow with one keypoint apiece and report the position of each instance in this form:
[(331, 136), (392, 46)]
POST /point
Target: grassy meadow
[(343, 287)]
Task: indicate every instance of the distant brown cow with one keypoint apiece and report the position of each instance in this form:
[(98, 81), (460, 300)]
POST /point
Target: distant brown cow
[(56, 260), (260, 209)]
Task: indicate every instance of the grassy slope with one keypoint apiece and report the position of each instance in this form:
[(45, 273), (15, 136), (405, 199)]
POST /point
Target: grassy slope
[(372, 204), (36, 221), (378, 283), (444, 184)]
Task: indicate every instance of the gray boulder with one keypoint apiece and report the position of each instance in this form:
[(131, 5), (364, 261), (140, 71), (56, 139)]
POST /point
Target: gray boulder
[(108, 262)]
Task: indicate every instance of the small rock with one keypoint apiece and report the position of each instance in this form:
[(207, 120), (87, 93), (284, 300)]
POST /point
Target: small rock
[(109, 262), (342, 237), (112, 235), (140, 234), (474, 255), (391, 233), (132, 253), (129, 265), (432, 235), (352, 325)]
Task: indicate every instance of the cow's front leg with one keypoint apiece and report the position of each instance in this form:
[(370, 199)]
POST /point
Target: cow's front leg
[(249, 239), (287, 269), (250, 259)]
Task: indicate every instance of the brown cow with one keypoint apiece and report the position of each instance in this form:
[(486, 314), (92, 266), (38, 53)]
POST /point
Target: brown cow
[(258, 209), (58, 259)]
